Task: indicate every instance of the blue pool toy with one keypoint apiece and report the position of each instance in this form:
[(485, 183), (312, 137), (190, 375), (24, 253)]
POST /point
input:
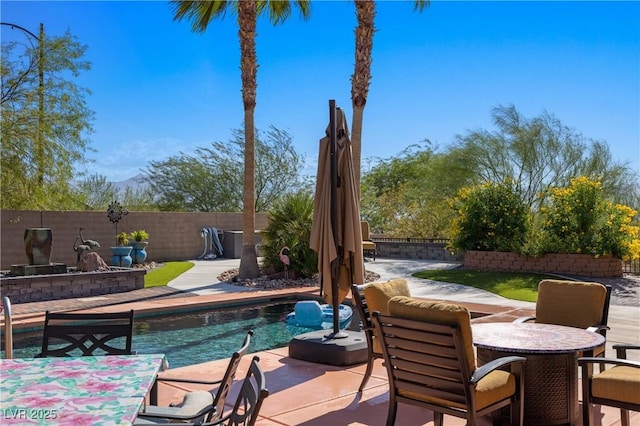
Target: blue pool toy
[(310, 313)]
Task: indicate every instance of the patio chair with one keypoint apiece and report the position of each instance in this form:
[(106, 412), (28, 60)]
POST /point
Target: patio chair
[(573, 304), (8, 328), (618, 386), (250, 398), (430, 360), (368, 246), (247, 405), (379, 295), (196, 405), (69, 334)]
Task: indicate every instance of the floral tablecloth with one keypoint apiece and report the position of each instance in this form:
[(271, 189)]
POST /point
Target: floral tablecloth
[(104, 390)]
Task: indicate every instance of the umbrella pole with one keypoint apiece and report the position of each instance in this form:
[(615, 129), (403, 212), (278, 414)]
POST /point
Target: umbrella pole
[(335, 265), (334, 347)]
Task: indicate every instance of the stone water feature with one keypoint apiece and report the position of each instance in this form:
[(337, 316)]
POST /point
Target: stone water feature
[(41, 280), (37, 245)]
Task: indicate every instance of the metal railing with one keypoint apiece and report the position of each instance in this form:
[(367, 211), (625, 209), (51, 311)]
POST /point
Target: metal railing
[(631, 267), (376, 238), (8, 328)]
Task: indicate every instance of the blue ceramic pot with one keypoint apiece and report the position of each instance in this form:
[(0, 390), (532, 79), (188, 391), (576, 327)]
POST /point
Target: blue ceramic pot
[(121, 256), (139, 254)]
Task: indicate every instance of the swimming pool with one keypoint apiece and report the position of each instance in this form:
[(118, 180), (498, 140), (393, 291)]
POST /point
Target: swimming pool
[(202, 336)]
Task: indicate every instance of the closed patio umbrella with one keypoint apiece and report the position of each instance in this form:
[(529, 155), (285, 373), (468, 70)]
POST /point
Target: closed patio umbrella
[(336, 234)]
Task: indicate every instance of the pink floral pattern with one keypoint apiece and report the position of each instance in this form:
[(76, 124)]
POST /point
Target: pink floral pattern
[(105, 390)]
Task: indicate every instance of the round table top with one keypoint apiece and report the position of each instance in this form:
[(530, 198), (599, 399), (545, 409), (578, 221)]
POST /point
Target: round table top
[(531, 337)]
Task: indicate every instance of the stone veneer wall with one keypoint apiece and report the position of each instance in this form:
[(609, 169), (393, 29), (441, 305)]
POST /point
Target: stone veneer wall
[(571, 264), (38, 288)]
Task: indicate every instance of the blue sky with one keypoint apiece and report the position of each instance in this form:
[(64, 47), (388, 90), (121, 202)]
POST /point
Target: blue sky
[(159, 89)]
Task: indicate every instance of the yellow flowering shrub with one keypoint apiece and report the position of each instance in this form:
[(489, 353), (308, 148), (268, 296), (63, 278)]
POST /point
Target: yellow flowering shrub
[(575, 219), (578, 219)]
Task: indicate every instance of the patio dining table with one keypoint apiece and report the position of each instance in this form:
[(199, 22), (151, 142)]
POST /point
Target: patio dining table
[(551, 370), (89, 390)]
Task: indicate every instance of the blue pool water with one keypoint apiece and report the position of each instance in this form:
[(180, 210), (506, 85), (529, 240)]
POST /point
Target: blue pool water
[(201, 336)]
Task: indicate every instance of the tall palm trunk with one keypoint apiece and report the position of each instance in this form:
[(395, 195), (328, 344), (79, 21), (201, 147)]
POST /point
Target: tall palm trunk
[(201, 13), (365, 12), (247, 18)]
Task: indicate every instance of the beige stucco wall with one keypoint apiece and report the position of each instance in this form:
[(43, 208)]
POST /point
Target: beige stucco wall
[(172, 236)]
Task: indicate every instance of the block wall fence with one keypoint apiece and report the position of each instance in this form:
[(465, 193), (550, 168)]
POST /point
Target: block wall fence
[(177, 236), (172, 235)]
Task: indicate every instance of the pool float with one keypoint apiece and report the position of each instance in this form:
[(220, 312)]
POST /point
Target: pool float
[(310, 313)]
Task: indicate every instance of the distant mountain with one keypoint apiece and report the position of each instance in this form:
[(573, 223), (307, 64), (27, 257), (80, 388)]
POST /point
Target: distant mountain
[(136, 182)]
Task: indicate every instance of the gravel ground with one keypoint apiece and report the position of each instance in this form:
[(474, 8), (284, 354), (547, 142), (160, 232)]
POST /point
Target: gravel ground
[(266, 282)]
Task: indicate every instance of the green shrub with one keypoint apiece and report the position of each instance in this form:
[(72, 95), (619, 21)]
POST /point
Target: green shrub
[(290, 226), (575, 219), (122, 239), (578, 219), (139, 235), (490, 217)]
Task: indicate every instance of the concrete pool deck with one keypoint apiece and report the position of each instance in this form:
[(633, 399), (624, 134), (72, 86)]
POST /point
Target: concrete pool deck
[(304, 393)]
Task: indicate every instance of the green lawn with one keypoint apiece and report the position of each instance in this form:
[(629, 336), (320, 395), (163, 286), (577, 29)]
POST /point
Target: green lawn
[(163, 274), (517, 286)]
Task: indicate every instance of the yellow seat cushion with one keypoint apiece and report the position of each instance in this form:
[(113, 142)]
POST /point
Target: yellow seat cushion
[(378, 295), (494, 387), (440, 313), (571, 303), (364, 228), (621, 383), (368, 245)]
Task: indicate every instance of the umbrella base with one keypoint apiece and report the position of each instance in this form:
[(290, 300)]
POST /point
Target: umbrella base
[(315, 346)]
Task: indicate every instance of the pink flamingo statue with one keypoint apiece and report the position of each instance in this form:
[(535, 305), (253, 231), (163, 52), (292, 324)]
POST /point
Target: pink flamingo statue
[(285, 259)]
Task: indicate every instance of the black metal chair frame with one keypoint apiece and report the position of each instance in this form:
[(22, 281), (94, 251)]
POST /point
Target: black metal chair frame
[(213, 412), (248, 403), (586, 363), (596, 328), (357, 292), (87, 332), (429, 359)]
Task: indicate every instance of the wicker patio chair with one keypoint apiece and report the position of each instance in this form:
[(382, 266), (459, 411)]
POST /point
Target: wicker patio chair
[(428, 352), (379, 295), (197, 406), (70, 334), (618, 386)]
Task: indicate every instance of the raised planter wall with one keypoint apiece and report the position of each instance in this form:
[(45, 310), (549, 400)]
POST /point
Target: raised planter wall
[(570, 264), (39, 288), (415, 250)]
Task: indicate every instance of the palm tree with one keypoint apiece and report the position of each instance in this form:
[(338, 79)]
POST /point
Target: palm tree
[(365, 12), (201, 13)]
